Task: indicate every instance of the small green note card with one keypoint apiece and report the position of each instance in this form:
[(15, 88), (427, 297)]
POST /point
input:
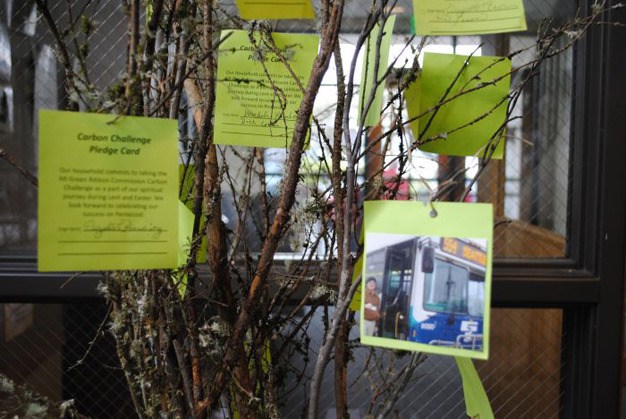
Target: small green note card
[(275, 9), (427, 277), (257, 94), (185, 232), (186, 175), (474, 108), (468, 17), (108, 192)]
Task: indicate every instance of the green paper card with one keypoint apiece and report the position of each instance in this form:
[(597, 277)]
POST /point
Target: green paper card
[(368, 78), (355, 304), (257, 97), (275, 9), (108, 192), (185, 231), (186, 177), (464, 124), (468, 17), (427, 280)]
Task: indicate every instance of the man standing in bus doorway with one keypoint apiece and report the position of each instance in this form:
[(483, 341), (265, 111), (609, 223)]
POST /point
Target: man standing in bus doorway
[(372, 307)]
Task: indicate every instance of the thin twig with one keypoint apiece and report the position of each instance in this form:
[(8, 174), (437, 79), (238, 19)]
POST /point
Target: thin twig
[(13, 162)]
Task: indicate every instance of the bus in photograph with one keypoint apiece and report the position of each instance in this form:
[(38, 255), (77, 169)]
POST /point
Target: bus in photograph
[(432, 290)]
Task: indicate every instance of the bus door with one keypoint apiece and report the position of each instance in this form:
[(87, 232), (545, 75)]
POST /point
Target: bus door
[(397, 281)]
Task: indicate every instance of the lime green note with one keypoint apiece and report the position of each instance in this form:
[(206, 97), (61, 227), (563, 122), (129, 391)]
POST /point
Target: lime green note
[(355, 304), (186, 177), (427, 277), (368, 78), (275, 9), (473, 110), (476, 400), (185, 231), (107, 192), (257, 96), (468, 17)]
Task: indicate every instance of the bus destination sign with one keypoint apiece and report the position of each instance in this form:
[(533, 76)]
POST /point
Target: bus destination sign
[(464, 250)]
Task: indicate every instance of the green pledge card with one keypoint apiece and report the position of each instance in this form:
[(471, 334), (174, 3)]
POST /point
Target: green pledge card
[(108, 192), (257, 96), (369, 78), (427, 277), (474, 104), (467, 17), (276, 9)]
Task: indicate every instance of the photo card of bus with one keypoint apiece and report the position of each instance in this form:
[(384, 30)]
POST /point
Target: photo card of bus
[(427, 277)]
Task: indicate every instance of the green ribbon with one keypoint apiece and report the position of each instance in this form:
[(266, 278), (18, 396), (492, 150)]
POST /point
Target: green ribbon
[(476, 401)]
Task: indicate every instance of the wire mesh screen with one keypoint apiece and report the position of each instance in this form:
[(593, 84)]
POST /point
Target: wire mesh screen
[(532, 205), (521, 378), (529, 188), (64, 351)]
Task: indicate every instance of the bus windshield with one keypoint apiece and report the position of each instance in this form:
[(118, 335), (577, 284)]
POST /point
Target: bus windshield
[(476, 294), (445, 290)]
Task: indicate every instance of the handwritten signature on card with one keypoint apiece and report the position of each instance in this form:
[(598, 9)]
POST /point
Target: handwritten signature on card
[(122, 226)]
